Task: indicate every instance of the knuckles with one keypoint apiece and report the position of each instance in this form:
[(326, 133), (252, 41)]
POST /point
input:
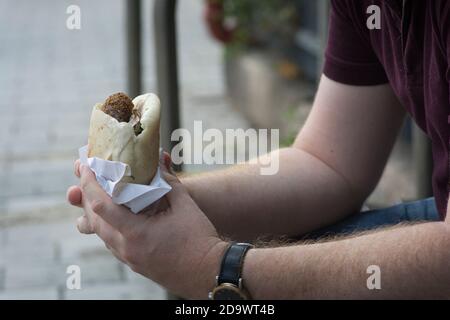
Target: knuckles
[(172, 179), (133, 236), (76, 168), (84, 183), (98, 206)]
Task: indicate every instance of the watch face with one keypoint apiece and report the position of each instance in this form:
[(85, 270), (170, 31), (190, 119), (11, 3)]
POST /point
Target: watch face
[(228, 292)]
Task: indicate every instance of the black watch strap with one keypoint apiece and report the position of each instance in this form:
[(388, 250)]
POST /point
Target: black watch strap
[(232, 262)]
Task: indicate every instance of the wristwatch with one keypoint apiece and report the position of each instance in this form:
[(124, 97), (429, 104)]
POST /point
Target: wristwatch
[(229, 284)]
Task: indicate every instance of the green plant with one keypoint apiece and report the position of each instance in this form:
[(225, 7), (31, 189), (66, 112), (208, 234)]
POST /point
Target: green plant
[(269, 23)]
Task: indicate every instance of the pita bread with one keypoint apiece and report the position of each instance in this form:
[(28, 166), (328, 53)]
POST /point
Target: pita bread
[(117, 141)]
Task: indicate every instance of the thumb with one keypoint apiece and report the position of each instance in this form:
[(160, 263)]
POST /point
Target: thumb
[(178, 190), (165, 162)]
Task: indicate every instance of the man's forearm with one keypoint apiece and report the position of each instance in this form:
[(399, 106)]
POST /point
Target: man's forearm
[(244, 204), (414, 263)]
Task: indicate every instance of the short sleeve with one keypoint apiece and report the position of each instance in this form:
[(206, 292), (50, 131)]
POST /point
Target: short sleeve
[(446, 37), (349, 56)]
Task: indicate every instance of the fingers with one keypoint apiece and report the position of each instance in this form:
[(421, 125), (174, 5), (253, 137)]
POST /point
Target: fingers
[(111, 236), (84, 226), (91, 223), (99, 203), (172, 180), (116, 254), (74, 196), (76, 168), (156, 207), (178, 195), (166, 162), (166, 170)]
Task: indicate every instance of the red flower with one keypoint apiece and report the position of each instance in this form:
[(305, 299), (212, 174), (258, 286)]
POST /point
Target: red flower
[(215, 20)]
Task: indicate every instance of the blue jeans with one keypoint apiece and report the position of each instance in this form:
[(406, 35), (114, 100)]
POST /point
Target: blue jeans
[(421, 210)]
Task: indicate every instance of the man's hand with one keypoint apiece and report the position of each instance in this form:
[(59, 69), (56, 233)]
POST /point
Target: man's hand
[(172, 242)]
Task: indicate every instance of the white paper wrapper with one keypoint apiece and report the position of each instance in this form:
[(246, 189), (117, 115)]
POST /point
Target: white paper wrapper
[(134, 196)]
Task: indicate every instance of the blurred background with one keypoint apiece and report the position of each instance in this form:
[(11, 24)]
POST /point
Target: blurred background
[(241, 63)]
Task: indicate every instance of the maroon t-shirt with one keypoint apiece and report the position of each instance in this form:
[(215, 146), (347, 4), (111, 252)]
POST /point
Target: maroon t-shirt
[(411, 51)]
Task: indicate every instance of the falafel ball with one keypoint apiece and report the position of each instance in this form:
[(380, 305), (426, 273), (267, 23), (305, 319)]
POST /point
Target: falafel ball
[(118, 106)]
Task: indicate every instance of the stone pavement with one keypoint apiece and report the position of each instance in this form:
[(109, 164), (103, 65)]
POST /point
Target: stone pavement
[(50, 78)]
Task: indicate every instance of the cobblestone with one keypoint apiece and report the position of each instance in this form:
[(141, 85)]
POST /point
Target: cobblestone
[(37, 293), (51, 77)]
